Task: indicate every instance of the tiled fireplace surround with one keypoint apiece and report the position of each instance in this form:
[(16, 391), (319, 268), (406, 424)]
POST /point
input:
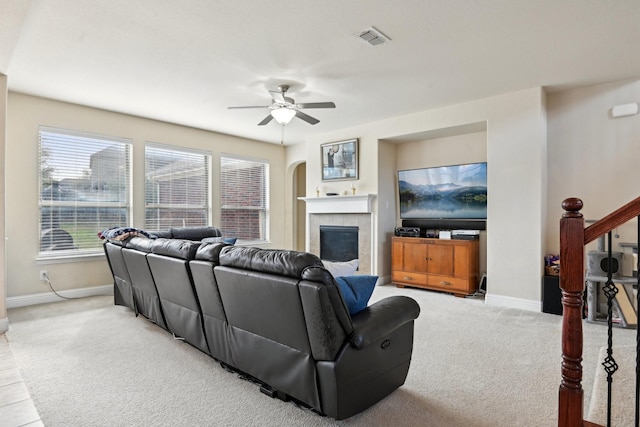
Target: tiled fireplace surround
[(362, 221), (342, 211)]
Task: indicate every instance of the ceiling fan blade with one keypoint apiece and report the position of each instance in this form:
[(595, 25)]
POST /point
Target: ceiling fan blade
[(248, 106), (316, 105), (266, 120), (307, 118), (278, 96)]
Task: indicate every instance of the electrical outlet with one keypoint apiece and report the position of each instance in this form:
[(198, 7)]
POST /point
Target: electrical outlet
[(44, 276)]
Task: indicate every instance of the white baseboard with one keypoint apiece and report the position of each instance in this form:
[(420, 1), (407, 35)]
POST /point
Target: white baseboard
[(511, 302), (46, 297), (384, 280)]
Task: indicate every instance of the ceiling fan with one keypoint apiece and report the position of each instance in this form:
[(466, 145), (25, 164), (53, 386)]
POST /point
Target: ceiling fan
[(284, 109)]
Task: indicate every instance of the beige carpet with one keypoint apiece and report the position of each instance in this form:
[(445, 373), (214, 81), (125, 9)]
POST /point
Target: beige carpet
[(622, 389), (89, 363)]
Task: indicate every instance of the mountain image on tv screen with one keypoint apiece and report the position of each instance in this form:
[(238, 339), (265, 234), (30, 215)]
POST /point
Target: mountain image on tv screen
[(444, 192)]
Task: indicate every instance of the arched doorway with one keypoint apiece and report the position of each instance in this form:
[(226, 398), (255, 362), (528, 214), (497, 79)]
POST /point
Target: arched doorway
[(299, 207)]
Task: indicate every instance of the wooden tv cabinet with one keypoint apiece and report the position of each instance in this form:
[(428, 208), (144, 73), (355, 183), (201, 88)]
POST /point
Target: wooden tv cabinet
[(442, 265)]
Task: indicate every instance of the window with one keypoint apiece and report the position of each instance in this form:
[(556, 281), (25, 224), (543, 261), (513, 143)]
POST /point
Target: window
[(84, 187), (244, 197), (176, 187)]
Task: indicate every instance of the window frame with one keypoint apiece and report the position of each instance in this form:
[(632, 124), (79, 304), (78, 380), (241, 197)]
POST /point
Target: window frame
[(266, 197), (170, 148), (126, 204)]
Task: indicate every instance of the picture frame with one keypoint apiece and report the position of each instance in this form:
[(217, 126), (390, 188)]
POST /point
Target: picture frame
[(339, 160)]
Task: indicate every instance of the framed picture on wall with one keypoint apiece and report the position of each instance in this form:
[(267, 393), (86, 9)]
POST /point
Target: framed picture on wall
[(340, 160)]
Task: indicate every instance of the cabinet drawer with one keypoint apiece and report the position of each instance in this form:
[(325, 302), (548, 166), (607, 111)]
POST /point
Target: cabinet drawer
[(445, 282), (409, 277)]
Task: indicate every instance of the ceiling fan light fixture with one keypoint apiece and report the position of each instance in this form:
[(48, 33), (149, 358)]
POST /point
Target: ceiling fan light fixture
[(283, 115)]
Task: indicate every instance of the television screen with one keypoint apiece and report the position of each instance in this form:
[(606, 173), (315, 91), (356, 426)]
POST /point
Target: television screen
[(444, 192)]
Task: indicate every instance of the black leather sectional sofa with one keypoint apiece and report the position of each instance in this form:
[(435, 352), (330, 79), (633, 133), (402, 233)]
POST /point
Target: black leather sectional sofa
[(275, 316)]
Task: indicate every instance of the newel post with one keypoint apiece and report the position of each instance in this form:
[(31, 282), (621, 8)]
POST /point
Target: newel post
[(570, 407)]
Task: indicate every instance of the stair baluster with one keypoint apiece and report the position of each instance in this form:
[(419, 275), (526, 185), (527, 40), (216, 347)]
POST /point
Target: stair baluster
[(573, 238)]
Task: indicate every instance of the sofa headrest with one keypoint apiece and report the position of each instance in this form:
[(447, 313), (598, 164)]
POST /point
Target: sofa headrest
[(122, 243), (195, 233), (176, 248), (273, 261), (322, 275), (210, 252), (164, 234), (140, 243), (318, 275)]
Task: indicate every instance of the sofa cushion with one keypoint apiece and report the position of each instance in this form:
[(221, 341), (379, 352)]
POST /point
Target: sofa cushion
[(274, 261), (195, 233), (341, 268), (210, 252), (176, 248), (140, 243), (356, 291), (165, 234)]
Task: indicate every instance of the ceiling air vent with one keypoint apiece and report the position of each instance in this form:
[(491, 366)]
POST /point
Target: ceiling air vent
[(372, 36)]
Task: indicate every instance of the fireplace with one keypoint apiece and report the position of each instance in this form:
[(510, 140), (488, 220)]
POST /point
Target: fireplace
[(344, 211), (338, 243), (362, 222)]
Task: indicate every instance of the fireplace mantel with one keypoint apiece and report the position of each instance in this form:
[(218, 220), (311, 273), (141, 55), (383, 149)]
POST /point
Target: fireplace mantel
[(359, 203)]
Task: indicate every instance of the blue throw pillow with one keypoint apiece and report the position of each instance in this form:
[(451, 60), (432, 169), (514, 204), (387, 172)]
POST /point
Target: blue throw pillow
[(229, 240), (356, 291)]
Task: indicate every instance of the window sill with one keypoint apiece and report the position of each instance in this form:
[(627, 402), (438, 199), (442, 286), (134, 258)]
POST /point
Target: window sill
[(95, 256), (67, 258), (254, 243)]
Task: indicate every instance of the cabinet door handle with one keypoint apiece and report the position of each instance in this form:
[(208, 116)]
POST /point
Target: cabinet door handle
[(428, 259), (446, 283), (408, 278)]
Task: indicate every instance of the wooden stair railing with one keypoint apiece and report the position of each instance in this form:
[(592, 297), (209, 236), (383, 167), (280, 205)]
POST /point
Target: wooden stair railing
[(573, 238)]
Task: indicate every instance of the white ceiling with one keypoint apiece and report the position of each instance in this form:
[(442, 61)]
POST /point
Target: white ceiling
[(186, 62)]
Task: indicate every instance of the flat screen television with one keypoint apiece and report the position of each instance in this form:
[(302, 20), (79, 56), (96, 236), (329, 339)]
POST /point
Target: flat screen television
[(455, 194)]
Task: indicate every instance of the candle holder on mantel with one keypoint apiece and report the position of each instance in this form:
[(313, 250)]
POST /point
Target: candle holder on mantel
[(353, 189)]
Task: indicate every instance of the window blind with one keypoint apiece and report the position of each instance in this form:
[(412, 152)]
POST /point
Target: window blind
[(177, 190), (84, 187), (244, 197)]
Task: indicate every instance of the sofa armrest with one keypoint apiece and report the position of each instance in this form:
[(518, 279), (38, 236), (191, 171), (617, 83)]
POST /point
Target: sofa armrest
[(381, 318)]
